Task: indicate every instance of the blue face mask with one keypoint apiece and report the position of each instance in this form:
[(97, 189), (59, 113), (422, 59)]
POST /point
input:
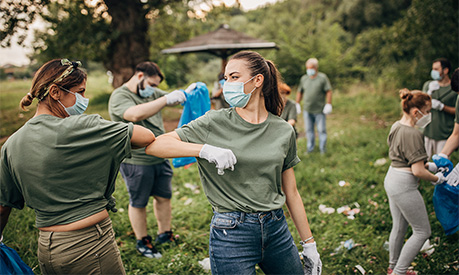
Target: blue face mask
[(234, 93), (310, 72), (147, 91), (435, 75), (81, 103)]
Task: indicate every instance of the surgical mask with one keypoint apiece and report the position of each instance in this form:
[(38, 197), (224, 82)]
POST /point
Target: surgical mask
[(435, 75), (424, 120), (310, 72), (234, 93), (147, 92), (81, 103)]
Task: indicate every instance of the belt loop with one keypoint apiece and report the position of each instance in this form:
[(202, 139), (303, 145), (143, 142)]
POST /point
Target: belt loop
[(242, 217), (99, 230), (273, 214), (49, 239)]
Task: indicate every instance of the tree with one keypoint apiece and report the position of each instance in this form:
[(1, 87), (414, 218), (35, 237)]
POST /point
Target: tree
[(112, 31)]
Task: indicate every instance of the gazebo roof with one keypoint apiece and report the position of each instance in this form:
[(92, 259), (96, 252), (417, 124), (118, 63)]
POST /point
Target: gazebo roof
[(222, 42)]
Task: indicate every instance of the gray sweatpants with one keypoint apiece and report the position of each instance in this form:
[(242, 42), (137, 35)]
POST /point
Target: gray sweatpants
[(406, 207)]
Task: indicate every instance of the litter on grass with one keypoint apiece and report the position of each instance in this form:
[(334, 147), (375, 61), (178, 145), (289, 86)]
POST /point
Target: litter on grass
[(205, 264)]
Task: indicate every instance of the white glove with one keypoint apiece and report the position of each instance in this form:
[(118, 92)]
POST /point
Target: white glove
[(433, 86), (190, 88), (175, 97), (223, 158), (327, 109), (298, 108), (441, 178), (311, 258), (432, 167), (453, 177), (437, 105)]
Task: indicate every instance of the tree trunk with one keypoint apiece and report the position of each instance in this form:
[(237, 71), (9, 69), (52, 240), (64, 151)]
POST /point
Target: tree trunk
[(130, 44)]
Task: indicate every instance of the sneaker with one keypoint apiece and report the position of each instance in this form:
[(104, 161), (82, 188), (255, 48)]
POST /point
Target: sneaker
[(389, 271), (166, 237), (147, 249), (408, 272)]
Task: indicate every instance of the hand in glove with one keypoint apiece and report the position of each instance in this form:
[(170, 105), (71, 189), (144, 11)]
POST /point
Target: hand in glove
[(175, 97), (311, 258), (190, 88), (223, 158), (433, 86), (431, 167), (453, 177), (437, 105), (327, 109), (298, 108), (441, 178)]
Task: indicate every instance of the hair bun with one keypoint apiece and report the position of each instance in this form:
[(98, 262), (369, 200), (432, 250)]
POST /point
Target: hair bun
[(405, 94)]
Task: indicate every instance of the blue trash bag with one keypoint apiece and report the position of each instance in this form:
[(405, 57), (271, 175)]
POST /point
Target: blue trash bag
[(197, 104), (446, 199), (11, 263)]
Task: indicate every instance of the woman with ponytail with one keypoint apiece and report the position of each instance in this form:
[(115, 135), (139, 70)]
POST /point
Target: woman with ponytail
[(408, 158), (63, 165), (253, 177)]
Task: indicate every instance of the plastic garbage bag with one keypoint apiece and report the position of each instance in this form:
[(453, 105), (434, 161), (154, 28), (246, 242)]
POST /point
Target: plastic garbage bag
[(445, 199), (197, 104), (11, 263)]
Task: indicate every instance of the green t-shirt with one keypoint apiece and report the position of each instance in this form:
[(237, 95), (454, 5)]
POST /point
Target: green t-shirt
[(406, 145), (263, 152), (442, 124), (121, 100), (314, 91), (63, 168), (289, 111), (456, 119)]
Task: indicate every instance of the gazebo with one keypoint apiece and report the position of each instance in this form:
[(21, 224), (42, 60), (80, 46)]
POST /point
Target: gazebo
[(222, 42)]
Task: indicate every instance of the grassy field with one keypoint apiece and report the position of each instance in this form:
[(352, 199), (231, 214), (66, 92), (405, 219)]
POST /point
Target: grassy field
[(357, 131)]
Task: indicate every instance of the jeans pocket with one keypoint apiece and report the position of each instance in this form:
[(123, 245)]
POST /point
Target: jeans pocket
[(221, 221)]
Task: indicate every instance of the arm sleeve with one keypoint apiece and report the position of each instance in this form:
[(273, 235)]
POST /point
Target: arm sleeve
[(118, 104), (327, 86), (10, 193), (196, 131), (117, 137), (292, 114), (414, 149), (292, 158)]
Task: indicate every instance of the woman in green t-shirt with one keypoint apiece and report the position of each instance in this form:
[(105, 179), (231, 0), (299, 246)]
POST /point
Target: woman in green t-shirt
[(254, 176), (408, 157), (64, 165)]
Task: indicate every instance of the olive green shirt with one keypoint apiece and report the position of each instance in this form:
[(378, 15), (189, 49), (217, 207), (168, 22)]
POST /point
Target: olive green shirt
[(121, 100), (406, 145), (442, 124), (314, 91), (63, 168), (263, 152), (456, 119), (289, 111)]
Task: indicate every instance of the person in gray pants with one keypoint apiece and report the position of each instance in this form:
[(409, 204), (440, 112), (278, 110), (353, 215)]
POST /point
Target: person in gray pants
[(408, 157)]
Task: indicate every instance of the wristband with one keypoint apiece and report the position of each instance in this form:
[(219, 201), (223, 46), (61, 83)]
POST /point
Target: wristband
[(305, 241)]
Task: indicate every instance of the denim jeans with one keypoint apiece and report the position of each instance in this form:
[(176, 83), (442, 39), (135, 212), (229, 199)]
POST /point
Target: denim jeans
[(239, 241), (309, 121)]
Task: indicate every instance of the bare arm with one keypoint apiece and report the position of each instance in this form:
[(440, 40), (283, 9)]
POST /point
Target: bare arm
[(449, 110), (328, 96), (295, 204), (143, 111), (170, 146), (421, 172), (4, 214), (291, 122), (453, 141), (141, 137), (299, 96)]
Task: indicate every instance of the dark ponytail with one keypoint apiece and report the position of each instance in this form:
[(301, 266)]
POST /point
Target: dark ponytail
[(258, 65)]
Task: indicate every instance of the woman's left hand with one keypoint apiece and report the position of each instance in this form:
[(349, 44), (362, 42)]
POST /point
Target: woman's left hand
[(311, 258)]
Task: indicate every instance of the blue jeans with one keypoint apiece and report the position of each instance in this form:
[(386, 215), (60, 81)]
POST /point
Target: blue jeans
[(239, 241), (309, 121)]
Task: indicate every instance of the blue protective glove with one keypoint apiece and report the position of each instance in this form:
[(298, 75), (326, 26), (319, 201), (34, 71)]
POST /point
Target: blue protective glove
[(443, 163)]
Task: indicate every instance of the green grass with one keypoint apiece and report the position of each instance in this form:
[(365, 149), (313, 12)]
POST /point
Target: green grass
[(357, 131)]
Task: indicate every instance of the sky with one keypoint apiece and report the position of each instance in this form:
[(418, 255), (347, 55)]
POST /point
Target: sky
[(17, 55)]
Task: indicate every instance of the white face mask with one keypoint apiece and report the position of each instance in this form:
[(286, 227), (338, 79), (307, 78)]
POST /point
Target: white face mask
[(234, 93), (424, 120)]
